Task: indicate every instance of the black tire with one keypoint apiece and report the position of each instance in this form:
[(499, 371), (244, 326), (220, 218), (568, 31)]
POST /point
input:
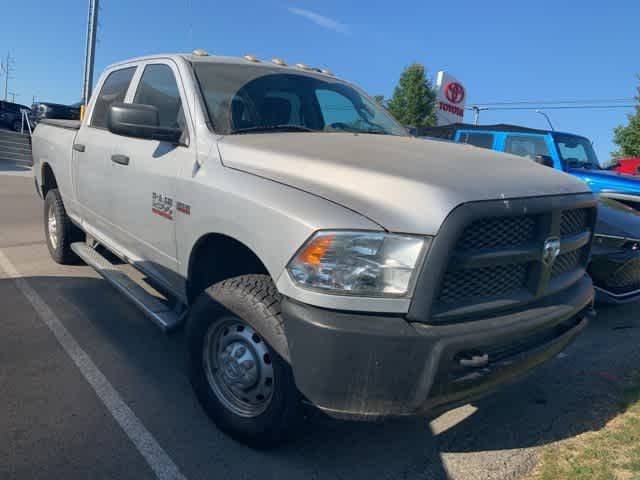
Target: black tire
[(254, 300), (66, 231)]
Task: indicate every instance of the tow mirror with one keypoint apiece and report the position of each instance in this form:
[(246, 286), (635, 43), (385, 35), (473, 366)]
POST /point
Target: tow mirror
[(140, 121), (545, 160)]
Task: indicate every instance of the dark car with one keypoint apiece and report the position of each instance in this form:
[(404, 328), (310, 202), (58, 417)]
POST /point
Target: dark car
[(11, 115), (58, 111), (615, 254)]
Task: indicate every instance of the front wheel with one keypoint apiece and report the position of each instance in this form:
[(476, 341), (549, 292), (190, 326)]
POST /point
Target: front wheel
[(244, 385)]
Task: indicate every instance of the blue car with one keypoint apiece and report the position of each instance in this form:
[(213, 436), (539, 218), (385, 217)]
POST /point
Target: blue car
[(615, 255), (563, 151)]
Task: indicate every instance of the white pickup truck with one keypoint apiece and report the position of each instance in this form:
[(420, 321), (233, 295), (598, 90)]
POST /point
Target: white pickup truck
[(313, 249)]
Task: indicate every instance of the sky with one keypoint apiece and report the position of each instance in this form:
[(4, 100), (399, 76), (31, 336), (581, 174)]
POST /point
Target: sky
[(503, 51)]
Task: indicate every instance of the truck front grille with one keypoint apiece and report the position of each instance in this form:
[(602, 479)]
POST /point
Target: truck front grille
[(482, 282), (497, 259), (498, 232), (573, 221), (566, 262)]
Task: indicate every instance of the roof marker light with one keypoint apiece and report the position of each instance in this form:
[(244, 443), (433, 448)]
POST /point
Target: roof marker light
[(303, 66), (279, 61), (326, 71), (251, 58), (200, 52)]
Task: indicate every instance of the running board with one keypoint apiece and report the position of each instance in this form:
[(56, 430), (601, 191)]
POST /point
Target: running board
[(166, 318)]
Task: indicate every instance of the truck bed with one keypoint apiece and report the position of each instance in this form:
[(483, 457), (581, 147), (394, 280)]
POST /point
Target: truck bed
[(52, 144), (69, 124)]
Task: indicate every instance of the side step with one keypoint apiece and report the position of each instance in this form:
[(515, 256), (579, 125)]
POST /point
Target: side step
[(166, 318)]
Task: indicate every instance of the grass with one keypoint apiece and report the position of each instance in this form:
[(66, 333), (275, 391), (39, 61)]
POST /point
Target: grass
[(612, 453)]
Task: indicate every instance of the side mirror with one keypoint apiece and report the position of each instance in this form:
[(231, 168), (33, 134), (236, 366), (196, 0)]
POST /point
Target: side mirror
[(140, 121), (545, 160)]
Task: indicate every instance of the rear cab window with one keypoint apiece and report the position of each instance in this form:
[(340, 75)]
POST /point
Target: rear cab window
[(114, 89)]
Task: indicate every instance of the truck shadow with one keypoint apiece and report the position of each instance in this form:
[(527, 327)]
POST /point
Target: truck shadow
[(574, 393)]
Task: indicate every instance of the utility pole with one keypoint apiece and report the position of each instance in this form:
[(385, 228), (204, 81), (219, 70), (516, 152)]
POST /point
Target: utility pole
[(476, 113), (92, 26), (6, 66), (13, 96)]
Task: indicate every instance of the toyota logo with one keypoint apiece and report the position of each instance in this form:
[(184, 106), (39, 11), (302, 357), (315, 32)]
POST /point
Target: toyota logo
[(454, 92), (550, 251)]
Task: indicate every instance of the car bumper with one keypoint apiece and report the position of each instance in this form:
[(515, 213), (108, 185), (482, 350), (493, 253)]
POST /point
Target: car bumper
[(616, 276), (364, 366)]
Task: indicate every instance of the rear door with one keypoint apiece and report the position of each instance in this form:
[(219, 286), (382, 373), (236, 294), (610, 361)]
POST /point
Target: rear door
[(92, 152), (144, 185)]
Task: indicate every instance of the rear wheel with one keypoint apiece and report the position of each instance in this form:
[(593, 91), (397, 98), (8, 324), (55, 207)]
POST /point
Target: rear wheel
[(59, 231), (244, 385)]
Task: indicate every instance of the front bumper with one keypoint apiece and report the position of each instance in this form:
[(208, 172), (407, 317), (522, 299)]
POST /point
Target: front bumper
[(367, 366)]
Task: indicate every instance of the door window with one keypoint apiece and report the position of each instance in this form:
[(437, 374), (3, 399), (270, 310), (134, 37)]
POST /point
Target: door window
[(483, 140), (113, 90), (526, 145), (158, 87)]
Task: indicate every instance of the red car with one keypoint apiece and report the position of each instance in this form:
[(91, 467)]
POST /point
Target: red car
[(630, 166)]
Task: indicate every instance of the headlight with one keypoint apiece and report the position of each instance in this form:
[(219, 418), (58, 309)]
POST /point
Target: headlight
[(369, 264)]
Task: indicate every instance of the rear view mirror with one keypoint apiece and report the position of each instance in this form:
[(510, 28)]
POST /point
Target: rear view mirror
[(140, 121), (545, 160)]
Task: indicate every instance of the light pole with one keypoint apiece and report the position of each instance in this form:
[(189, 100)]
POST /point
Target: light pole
[(547, 117), (92, 26)]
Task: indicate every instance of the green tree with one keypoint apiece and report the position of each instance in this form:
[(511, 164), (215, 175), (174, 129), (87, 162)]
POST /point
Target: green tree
[(413, 100), (627, 137)]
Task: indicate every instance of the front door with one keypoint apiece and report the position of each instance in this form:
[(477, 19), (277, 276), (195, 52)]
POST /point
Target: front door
[(145, 175)]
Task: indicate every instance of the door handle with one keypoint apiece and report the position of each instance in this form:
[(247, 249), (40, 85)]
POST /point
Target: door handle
[(120, 159), (79, 147)]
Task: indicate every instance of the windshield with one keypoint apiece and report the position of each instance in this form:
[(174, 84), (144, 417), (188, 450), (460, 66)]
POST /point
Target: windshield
[(250, 99), (577, 152)]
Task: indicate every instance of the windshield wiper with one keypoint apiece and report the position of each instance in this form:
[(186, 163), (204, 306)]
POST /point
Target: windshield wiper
[(273, 128)]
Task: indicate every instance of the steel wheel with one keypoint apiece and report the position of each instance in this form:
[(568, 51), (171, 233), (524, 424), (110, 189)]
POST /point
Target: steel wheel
[(238, 367), (52, 226)]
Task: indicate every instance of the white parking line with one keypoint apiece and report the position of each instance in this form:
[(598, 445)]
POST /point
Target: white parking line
[(161, 464)]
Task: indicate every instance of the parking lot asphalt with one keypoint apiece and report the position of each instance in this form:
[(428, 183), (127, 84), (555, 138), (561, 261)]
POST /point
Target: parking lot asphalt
[(56, 423)]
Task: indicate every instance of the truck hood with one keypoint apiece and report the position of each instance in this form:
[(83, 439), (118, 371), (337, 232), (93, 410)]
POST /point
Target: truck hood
[(404, 184), (608, 180)]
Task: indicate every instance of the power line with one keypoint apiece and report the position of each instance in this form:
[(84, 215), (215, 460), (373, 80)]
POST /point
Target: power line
[(557, 107), (557, 102)]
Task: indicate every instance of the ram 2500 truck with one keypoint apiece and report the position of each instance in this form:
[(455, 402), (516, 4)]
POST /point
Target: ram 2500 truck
[(315, 252)]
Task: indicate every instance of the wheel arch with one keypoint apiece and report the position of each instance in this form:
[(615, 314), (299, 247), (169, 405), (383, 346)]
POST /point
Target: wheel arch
[(48, 179), (216, 257)]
